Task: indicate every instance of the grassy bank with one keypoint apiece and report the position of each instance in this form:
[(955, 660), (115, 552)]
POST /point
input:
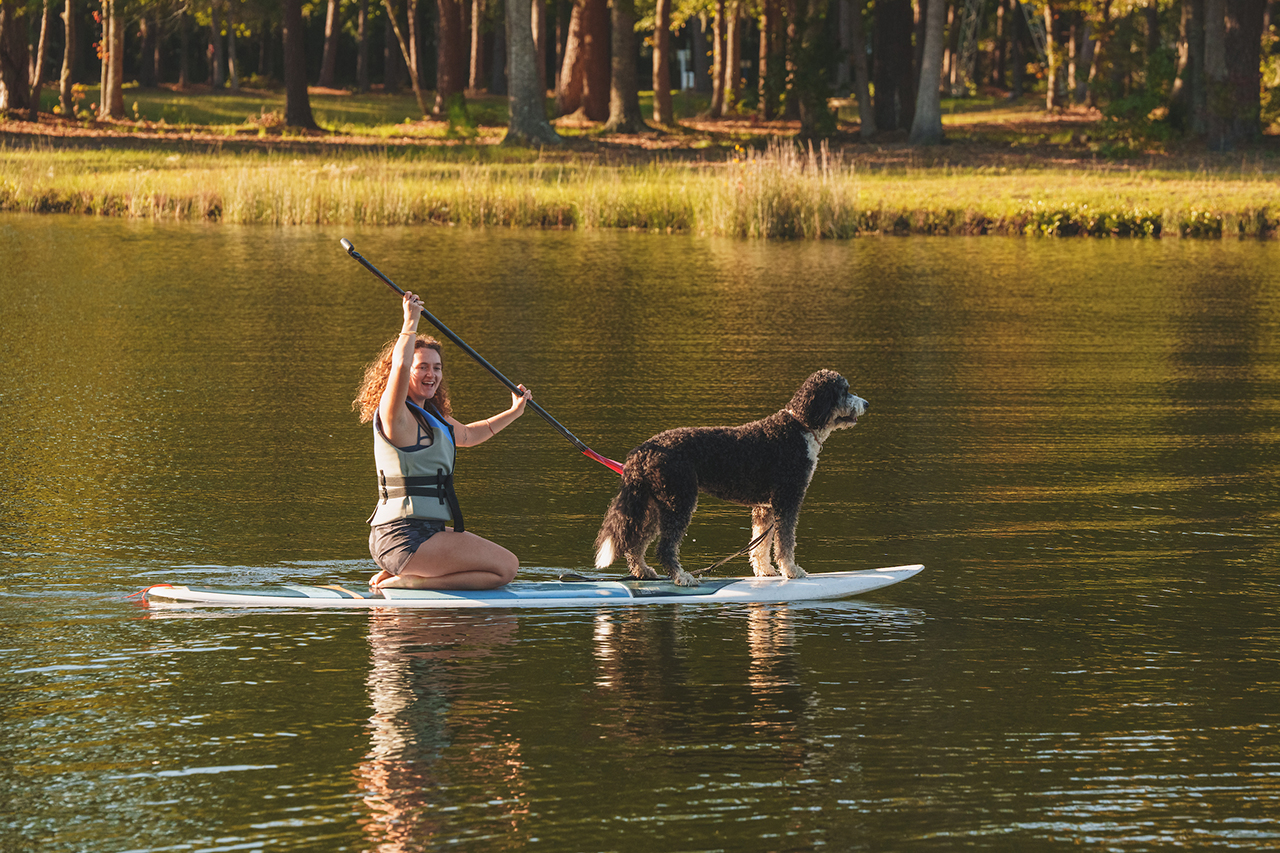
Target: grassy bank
[(779, 192), (1009, 169)]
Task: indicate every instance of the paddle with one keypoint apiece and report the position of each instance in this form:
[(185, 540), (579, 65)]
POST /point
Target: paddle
[(511, 386)]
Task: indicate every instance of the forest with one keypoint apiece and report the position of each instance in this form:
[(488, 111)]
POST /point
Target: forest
[(1207, 69)]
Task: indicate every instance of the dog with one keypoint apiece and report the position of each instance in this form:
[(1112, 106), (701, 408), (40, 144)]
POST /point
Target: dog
[(766, 465)]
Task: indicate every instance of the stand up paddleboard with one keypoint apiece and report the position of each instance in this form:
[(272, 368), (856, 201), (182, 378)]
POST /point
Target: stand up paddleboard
[(557, 593)]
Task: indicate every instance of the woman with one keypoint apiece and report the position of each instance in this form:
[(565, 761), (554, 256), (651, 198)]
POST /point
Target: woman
[(415, 438)]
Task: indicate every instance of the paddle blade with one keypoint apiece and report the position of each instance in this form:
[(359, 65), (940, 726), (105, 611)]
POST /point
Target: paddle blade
[(603, 460)]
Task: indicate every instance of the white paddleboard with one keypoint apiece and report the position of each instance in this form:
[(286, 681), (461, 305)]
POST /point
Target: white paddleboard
[(557, 593)]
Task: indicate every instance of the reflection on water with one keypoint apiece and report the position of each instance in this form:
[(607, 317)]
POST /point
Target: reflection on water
[(1078, 440), (418, 679)]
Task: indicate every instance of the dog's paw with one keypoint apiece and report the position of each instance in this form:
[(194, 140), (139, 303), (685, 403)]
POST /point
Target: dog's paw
[(794, 572), (764, 570), (683, 578), (644, 572)]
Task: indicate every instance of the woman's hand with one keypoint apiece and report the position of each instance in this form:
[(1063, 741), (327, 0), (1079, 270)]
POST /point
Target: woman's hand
[(519, 401), (469, 435), (412, 311)]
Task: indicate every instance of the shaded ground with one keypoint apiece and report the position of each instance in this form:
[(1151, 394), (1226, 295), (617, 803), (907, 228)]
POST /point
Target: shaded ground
[(990, 134)]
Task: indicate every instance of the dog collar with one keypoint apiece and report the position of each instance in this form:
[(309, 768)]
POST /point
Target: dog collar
[(804, 426)]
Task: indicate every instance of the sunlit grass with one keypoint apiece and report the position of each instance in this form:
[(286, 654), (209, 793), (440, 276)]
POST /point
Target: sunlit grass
[(381, 115), (782, 192)]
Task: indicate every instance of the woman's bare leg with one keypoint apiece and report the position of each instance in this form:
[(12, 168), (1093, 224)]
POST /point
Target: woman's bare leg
[(451, 560)]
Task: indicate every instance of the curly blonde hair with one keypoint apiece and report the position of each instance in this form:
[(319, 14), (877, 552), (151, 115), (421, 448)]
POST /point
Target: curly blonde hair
[(375, 379)]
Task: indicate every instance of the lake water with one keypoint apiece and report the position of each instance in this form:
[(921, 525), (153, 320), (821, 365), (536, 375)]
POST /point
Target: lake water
[(1079, 440)]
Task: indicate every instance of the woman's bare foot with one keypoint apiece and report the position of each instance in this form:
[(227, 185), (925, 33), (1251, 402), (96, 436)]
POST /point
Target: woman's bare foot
[(379, 579), (407, 582)]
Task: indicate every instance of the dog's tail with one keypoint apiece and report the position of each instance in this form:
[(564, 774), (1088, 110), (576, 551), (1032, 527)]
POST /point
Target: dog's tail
[(626, 524)]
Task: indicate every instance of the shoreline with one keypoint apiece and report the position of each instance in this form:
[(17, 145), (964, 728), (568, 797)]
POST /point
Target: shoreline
[(707, 179)]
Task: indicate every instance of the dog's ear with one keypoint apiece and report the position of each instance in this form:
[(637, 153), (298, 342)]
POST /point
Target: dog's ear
[(818, 397)]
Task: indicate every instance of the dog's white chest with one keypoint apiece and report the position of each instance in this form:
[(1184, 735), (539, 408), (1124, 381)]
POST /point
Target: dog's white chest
[(814, 447)]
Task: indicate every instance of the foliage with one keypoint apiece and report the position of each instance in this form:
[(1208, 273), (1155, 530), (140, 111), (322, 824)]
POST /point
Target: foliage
[(1270, 77), (460, 122), (1139, 121)]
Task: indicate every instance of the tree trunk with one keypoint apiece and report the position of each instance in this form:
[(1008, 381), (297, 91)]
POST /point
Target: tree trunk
[(37, 78), (926, 128), (732, 54), (811, 85), (1073, 55), (624, 89), (1244, 28), (147, 30), (1186, 99), (844, 46), (329, 59), (15, 59), (998, 64), (104, 56), (526, 98), (569, 83), (66, 94), (452, 58), (362, 46), (392, 60), (1217, 101), (717, 61), (297, 103), (790, 50), (698, 44), (538, 19), (498, 63), (266, 32), (895, 98), (475, 77), (861, 72), (951, 50), (1017, 51), (218, 70), (233, 62), (413, 61), (765, 88), (596, 67), (662, 112), (1051, 61), (407, 50), (115, 106), (184, 57), (157, 51)]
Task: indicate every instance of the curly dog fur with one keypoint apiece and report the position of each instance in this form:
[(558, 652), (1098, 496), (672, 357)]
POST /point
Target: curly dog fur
[(766, 465)]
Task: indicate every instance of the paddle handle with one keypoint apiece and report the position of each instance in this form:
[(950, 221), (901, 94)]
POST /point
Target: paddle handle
[(465, 347)]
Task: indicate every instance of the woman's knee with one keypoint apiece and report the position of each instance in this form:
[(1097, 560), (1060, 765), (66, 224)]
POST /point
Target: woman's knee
[(508, 567)]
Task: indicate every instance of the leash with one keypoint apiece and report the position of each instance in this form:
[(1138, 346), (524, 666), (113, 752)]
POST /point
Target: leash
[(574, 577), (750, 545)]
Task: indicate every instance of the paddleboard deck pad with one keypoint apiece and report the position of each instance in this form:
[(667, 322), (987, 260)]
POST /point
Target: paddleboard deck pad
[(558, 593)]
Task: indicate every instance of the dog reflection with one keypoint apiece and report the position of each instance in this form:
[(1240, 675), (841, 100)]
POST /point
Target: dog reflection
[(661, 674)]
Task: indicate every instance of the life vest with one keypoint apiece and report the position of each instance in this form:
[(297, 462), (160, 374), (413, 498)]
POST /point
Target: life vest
[(417, 481)]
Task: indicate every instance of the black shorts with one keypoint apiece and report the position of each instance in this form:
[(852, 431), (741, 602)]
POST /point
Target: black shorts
[(392, 544)]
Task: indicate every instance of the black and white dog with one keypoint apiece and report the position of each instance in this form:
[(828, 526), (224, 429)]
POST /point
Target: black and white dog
[(766, 465)]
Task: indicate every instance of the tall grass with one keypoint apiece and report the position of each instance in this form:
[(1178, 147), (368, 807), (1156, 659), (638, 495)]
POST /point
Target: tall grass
[(781, 192)]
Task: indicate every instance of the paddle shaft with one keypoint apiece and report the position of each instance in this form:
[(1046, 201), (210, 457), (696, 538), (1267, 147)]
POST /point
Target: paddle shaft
[(465, 347)]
